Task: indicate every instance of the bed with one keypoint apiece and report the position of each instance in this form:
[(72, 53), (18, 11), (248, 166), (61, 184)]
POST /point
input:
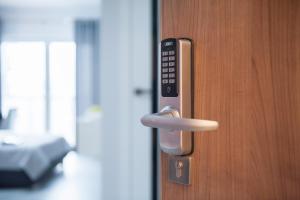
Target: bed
[(25, 159)]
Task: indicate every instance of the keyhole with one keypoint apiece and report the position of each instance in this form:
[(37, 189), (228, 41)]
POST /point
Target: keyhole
[(178, 166)]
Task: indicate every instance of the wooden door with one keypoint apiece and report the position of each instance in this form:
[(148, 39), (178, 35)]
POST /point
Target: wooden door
[(247, 77)]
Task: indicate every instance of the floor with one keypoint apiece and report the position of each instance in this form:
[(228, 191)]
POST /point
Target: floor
[(78, 178)]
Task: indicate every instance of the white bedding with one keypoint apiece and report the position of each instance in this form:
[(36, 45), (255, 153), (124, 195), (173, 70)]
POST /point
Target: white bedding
[(34, 154)]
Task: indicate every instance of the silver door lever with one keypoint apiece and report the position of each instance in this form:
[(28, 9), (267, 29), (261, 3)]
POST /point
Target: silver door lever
[(169, 119)]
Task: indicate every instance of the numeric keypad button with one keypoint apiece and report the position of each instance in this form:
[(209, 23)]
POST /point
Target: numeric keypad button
[(165, 75), (171, 58), (171, 69), (164, 53), (165, 64), (165, 81), (172, 75), (171, 64), (164, 59), (171, 53), (171, 80)]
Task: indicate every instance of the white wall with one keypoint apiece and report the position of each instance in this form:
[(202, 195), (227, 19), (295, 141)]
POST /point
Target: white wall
[(47, 12), (114, 98), (43, 23), (125, 64), (49, 3), (37, 30)]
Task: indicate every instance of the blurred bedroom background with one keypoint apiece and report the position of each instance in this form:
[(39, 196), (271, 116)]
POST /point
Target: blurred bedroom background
[(75, 79)]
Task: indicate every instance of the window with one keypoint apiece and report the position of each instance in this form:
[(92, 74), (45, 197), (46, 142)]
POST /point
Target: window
[(38, 80), (62, 89), (23, 75)]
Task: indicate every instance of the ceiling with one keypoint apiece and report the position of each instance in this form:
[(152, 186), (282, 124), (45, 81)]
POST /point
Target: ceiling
[(49, 9), (48, 3)]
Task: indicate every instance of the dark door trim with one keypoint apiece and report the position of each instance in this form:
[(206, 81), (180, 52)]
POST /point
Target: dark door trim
[(154, 79)]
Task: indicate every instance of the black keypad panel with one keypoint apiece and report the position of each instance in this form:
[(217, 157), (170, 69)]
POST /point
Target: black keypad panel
[(168, 68)]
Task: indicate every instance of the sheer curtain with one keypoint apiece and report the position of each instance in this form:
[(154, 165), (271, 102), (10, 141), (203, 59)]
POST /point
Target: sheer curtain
[(87, 64)]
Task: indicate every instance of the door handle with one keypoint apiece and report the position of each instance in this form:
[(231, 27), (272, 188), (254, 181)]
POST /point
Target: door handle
[(170, 119), (175, 119)]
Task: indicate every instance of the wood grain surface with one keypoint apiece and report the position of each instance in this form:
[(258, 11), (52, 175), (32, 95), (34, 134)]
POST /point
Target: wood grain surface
[(247, 76)]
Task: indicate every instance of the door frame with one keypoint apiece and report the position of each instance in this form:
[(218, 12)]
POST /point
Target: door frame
[(154, 107)]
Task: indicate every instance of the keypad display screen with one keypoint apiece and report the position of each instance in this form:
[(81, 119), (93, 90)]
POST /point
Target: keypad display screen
[(168, 68)]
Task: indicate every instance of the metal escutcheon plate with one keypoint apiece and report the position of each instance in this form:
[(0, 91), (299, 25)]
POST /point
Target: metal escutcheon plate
[(180, 169)]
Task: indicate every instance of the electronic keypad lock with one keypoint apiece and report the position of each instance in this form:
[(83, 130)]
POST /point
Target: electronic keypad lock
[(175, 118)]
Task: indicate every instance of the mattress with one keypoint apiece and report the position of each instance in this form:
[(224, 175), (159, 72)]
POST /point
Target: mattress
[(27, 158)]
